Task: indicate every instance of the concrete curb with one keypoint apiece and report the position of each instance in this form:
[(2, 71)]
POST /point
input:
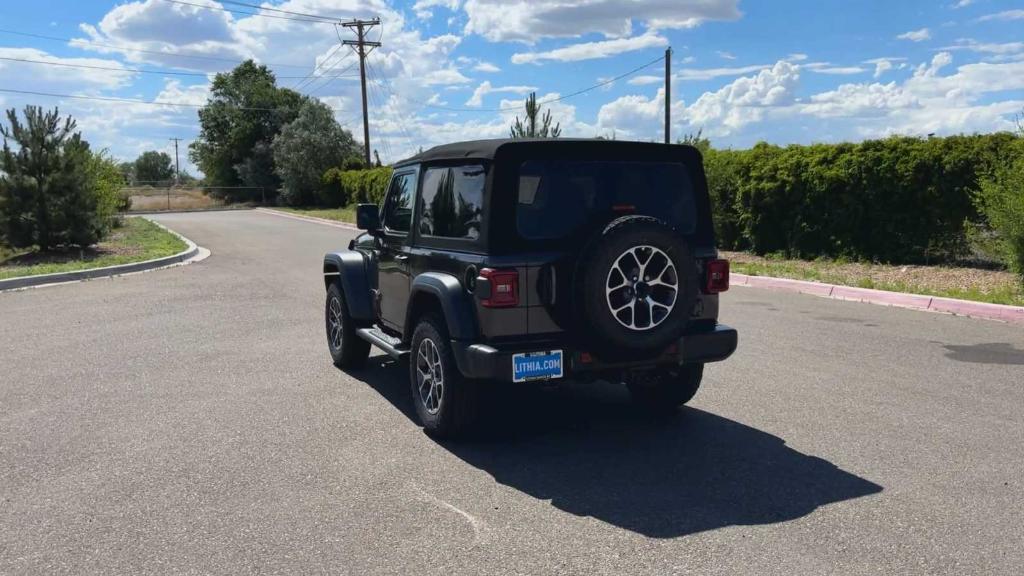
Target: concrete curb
[(191, 253), (984, 310), (313, 219), (187, 210)]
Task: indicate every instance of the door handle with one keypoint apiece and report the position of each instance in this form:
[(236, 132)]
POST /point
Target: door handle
[(401, 257)]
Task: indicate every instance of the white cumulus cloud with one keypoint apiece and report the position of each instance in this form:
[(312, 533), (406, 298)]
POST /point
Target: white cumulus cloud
[(592, 50), (61, 74), (485, 67), (883, 65), (532, 20), (916, 35), (485, 88), (422, 8), (1005, 15)]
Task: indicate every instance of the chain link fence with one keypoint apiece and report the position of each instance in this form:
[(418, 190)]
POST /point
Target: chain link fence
[(166, 196)]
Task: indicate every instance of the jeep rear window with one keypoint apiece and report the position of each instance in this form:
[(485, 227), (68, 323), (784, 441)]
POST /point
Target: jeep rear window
[(557, 197)]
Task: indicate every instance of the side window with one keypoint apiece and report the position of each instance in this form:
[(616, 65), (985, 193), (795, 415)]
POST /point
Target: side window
[(397, 211), (452, 201)]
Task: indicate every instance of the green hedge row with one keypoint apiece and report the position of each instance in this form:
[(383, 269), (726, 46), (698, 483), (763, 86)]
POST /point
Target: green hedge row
[(343, 187), (894, 200)]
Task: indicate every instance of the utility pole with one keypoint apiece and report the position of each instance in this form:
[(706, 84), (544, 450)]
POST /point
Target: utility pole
[(177, 166), (360, 44), (177, 171), (668, 95)]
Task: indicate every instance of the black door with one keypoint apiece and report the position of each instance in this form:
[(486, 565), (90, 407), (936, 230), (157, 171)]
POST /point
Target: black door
[(393, 262)]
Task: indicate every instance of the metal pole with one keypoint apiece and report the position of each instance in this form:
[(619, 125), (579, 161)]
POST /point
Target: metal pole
[(177, 171), (668, 95), (362, 80), (360, 44)]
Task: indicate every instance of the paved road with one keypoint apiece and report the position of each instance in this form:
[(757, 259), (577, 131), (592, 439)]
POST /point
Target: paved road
[(189, 421)]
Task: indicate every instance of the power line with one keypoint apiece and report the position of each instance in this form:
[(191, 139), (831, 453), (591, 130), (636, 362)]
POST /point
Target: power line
[(133, 101), (115, 69), (139, 50), (385, 143), (330, 80), (323, 19), (551, 100), (333, 65), (299, 84), (387, 86), (302, 83), (278, 10)]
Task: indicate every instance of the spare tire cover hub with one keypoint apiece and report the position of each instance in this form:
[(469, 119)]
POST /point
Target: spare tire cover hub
[(642, 287)]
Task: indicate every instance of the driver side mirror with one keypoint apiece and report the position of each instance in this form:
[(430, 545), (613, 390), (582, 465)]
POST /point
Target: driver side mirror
[(368, 217)]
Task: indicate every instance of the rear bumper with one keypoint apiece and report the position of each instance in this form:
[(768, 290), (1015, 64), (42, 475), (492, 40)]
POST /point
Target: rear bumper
[(492, 362)]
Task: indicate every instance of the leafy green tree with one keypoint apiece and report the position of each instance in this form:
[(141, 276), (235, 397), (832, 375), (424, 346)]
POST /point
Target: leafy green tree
[(47, 187), (1000, 199), (243, 114), (185, 179), (154, 167), (353, 163), (535, 125), (308, 147), (127, 170), (107, 181), (697, 140)]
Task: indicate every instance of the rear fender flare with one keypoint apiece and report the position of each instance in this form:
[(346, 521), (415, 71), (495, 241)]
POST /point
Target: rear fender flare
[(456, 304)]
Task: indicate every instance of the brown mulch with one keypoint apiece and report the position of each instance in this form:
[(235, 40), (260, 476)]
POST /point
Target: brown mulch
[(111, 246)]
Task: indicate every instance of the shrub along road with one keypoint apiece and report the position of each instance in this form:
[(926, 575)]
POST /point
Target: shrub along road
[(190, 420)]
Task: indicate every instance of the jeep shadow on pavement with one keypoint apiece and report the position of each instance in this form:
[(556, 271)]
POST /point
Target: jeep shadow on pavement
[(590, 452), (531, 260)]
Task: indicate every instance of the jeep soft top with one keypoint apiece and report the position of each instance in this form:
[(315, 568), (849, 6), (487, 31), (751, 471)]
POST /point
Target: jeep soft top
[(525, 260)]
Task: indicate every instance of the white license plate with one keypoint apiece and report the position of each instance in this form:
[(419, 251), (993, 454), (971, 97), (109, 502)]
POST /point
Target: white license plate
[(536, 366)]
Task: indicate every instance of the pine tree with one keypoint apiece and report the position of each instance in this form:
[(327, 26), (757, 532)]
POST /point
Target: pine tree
[(46, 191), (531, 128)]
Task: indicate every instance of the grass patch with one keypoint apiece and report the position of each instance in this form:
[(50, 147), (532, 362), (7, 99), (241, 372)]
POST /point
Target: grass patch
[(979, 285), (346, 214), (136, 241)]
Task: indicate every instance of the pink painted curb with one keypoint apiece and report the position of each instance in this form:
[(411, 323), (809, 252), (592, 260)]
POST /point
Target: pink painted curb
[(913, 301)]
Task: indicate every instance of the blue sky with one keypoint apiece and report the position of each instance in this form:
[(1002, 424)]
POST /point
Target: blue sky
[(744, 71)]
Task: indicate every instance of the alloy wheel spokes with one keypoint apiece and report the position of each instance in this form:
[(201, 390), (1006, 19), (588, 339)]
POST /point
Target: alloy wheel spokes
[(429, 376), (641, 287), (335, 323)]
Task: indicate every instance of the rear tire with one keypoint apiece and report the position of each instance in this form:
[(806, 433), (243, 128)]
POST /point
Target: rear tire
[(445, 401), (668, 389), (347, 349)]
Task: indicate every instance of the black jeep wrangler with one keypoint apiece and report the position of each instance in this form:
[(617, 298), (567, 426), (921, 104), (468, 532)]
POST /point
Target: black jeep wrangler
[(525, 260)]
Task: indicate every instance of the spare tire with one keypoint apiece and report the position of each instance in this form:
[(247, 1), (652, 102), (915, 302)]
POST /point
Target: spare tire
[(636, 286)]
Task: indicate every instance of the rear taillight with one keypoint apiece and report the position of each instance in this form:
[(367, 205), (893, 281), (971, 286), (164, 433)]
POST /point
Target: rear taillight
[(504, 288), (717, 276)]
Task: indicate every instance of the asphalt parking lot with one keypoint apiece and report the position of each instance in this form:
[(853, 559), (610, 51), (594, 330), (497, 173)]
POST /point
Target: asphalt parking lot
[(189, 420)]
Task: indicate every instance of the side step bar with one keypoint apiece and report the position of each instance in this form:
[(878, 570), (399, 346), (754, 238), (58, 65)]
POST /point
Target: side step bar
[(390, 345)]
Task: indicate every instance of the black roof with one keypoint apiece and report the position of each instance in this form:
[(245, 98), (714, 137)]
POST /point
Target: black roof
[(486, 149)]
